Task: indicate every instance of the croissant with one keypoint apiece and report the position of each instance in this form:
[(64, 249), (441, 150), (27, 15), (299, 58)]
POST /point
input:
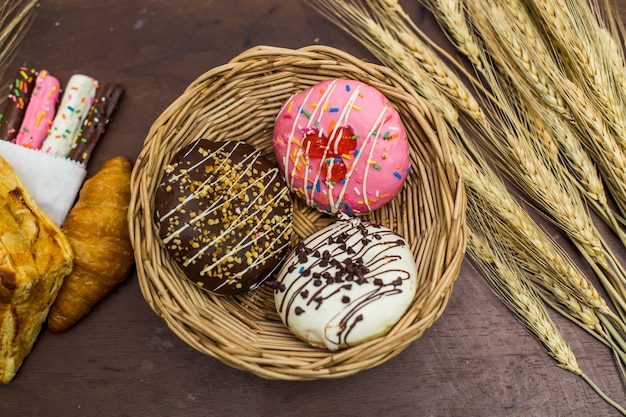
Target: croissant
[(35, 256), (97, 229)]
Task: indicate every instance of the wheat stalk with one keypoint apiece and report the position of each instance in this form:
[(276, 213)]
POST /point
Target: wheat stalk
[(520, 54), (16, 18), (512, 287), (574, 31), (521, 44), (509, 284), (487, 195), (575, 298), (536, 174), (540, 178), (451, 14), (595, 91), (551, 192)]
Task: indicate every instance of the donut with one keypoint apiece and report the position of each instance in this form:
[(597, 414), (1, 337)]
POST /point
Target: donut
[(223, 213), (346, 284), (342, 147)]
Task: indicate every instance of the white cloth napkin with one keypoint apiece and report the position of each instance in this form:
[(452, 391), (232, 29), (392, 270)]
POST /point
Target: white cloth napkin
[(53, 182)]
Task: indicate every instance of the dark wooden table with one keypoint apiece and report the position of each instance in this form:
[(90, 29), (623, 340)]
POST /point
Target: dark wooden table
[(122, 360)]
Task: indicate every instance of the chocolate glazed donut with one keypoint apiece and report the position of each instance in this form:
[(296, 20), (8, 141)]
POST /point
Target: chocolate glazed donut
[(223, 213)]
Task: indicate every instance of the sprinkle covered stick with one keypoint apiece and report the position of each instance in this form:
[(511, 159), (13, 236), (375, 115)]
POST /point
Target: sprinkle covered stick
[(17, 100), (98, 118), (40, 111), (77, 99)]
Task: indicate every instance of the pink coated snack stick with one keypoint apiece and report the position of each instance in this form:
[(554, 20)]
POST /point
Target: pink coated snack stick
[(40, 111), (342, 147), (77, 98), (17, 101)]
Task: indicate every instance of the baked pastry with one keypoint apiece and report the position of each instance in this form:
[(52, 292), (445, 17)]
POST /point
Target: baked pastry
[(346, 284), (20, 92), (98, 118), (342, 147), (40, 111), (75, 103), (35, 256), (97, 230), (223, 213)]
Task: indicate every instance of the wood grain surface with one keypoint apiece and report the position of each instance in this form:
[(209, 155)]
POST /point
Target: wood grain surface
[(122, 360)]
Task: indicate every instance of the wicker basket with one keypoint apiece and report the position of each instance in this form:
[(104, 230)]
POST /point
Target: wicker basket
[(240, 100)]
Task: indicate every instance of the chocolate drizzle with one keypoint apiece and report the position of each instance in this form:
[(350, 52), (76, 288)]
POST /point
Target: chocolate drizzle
[(347, 267)]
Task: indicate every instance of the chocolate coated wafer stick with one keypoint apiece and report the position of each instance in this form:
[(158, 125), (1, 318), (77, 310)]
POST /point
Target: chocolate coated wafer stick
[(19, 96), (97, 120)]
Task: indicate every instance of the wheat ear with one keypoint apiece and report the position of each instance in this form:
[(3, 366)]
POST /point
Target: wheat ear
[(451, 15), (520, 54), (539, 182), (511, 286), (573, 30), (16, 18)]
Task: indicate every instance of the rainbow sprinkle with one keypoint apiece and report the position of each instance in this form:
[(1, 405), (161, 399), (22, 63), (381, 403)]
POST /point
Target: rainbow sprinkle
[(306, 113)]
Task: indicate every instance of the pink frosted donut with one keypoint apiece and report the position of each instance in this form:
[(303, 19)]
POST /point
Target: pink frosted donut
[(342, 147)]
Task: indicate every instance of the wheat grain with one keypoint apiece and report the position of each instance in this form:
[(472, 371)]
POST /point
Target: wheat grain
[(451, 15), (573, 31), (509, 32)]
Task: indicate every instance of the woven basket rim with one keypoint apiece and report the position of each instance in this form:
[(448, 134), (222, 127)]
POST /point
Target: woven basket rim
[(238, 100)]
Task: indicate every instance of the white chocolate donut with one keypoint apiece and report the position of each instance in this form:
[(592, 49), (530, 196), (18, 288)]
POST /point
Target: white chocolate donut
[(345, 284)]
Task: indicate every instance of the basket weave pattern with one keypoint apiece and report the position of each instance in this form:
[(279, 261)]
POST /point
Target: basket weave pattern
[(240, 101)]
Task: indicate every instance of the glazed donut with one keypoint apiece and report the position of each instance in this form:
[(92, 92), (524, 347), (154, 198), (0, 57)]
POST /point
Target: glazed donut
[(223, 213), (345, 284), (342, 147)]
